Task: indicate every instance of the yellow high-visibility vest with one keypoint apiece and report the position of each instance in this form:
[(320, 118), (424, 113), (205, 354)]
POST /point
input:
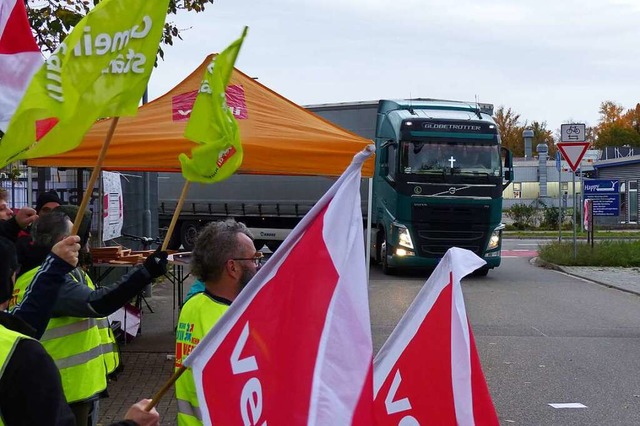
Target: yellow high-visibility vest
[(197, 317), (75, 345), (8, 341)]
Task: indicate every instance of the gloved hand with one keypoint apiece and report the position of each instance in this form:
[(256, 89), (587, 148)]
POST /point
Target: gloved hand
[(156, 263)]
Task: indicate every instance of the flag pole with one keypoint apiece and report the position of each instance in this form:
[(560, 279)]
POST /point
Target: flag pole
[(176, 213), (165, 388), (94, 176)]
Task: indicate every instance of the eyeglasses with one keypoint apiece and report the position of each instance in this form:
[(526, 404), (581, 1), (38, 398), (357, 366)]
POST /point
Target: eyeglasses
[(257, 258)]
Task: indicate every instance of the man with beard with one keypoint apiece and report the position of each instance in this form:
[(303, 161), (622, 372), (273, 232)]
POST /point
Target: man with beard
[(224, 259)]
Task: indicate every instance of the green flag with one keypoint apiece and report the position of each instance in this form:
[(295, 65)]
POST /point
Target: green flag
[(100, 70), (213, 125)]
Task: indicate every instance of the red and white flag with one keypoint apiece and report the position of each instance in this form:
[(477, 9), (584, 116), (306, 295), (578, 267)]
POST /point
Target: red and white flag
[(428, 372), (20, 57), (295, 347)]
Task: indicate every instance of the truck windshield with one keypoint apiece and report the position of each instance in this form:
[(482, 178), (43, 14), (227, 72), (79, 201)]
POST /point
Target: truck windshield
[(459, 157)]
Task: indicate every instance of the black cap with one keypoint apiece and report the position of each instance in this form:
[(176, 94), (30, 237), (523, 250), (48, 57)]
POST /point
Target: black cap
[(85, 226), (8, 265), (47, 197)]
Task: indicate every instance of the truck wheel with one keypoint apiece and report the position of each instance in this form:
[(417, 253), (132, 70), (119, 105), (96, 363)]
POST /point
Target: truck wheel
[(188, 235), (480, 272), (377, 257), (386, 269)]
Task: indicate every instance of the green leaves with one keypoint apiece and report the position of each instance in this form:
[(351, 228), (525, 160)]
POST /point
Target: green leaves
[(53, 20)]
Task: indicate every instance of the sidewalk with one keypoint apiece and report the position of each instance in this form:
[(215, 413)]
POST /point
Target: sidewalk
[(148, 361), (625, 279)]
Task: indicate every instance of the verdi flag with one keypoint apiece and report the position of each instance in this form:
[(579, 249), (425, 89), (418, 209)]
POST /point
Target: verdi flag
[(20, 57), (295, 347), (100, 70), (213, 125), (428, 372)]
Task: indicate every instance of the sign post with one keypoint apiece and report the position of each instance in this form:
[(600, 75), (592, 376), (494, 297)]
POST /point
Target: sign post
[(573, 146)]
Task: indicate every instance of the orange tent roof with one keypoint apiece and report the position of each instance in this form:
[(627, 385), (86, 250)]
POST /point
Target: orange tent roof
[(278, 136)]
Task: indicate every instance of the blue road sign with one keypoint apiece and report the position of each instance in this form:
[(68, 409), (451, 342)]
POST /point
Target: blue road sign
[(605, 195)]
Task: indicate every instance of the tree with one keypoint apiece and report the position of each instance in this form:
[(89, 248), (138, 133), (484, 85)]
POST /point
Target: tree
[(543, 135), (510, 130), (52, 20), (617, 127)]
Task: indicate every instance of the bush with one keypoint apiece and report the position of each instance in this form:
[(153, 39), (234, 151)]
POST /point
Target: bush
[(524, 216)]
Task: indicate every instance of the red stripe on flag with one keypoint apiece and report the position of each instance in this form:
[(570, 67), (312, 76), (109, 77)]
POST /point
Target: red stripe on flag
[(17, 36), (425, 373), (285, 321), (484, 413)]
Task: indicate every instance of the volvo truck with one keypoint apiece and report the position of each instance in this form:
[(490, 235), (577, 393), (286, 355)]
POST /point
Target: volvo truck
[(438, 182)]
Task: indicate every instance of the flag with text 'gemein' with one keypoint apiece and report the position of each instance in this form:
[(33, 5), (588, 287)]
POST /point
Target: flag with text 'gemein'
[(428, 372), (213, 125), (295, 347), (20, 57), (101, 69)]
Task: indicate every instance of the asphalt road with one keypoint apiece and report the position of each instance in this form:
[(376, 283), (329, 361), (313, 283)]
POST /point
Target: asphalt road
[(544, 338)]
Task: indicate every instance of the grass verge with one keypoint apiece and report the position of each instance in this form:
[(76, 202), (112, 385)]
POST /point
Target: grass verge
[(604, 253)]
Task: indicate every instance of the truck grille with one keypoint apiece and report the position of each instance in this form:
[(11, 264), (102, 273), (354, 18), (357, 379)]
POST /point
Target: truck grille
[(440, 227)]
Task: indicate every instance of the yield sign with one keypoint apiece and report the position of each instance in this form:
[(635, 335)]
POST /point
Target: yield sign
[(573, 152)]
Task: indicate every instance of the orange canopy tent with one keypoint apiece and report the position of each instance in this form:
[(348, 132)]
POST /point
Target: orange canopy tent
[(278, 136)]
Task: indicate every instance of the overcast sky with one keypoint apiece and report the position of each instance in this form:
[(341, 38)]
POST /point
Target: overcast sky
[(548, 60)]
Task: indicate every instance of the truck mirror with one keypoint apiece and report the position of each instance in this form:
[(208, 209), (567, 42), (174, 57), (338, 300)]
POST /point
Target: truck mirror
[(388, 143)]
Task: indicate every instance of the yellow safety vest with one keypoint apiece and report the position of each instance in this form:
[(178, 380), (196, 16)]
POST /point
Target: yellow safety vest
[(75, 345), (197, 317), (8, 341), (109, 345)]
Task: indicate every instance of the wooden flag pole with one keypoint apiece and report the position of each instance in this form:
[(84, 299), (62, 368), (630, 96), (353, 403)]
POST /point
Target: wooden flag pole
[(94, 176), (165, 388), (176, 213)]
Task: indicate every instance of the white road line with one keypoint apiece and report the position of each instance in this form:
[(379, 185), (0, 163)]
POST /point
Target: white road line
[(567, 405)]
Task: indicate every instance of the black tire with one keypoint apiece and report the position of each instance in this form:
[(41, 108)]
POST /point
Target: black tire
[(481, 272), (188, 234), (174, 241), (379, 239), (386, 269)]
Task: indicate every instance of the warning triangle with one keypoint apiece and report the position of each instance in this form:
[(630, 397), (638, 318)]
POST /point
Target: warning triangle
[(573, 152)]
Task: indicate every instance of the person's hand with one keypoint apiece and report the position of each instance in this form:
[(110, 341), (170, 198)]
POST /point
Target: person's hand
[(68, 249), (26, 216), (138, 414), (156, 263)]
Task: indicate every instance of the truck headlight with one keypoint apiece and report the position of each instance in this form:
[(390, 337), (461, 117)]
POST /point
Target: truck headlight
[(404, 238), (494, 240)]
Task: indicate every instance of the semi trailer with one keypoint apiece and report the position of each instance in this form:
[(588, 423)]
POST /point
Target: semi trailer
[(439, 176)]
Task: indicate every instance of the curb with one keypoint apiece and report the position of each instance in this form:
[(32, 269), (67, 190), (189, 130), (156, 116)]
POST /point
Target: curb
[(536, 261)]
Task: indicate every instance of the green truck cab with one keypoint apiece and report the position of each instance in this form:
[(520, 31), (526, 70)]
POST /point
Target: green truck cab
[(439, 177)]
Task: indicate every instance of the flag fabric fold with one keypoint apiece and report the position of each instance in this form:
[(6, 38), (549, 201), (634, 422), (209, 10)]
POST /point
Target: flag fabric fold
[(101, 69), (428, 371), (20, 57), (295, 347), (213, 124)]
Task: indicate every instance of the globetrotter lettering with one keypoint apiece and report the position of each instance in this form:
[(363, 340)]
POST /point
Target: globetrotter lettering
[(99, 45), (435, 126), (397, 406), (251, 395)]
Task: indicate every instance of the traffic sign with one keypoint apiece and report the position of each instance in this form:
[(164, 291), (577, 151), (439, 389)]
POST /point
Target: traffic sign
[(573, 152), (575, 132)]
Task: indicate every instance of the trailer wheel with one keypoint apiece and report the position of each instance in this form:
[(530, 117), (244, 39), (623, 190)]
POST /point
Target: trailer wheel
[(188, 235), (386, 269)]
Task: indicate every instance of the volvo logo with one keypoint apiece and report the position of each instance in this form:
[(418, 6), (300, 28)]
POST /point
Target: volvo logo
[(452, 190), (417, 190)]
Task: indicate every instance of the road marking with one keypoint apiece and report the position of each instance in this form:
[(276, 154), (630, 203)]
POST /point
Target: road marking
[(568, 405), (519, 253)]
